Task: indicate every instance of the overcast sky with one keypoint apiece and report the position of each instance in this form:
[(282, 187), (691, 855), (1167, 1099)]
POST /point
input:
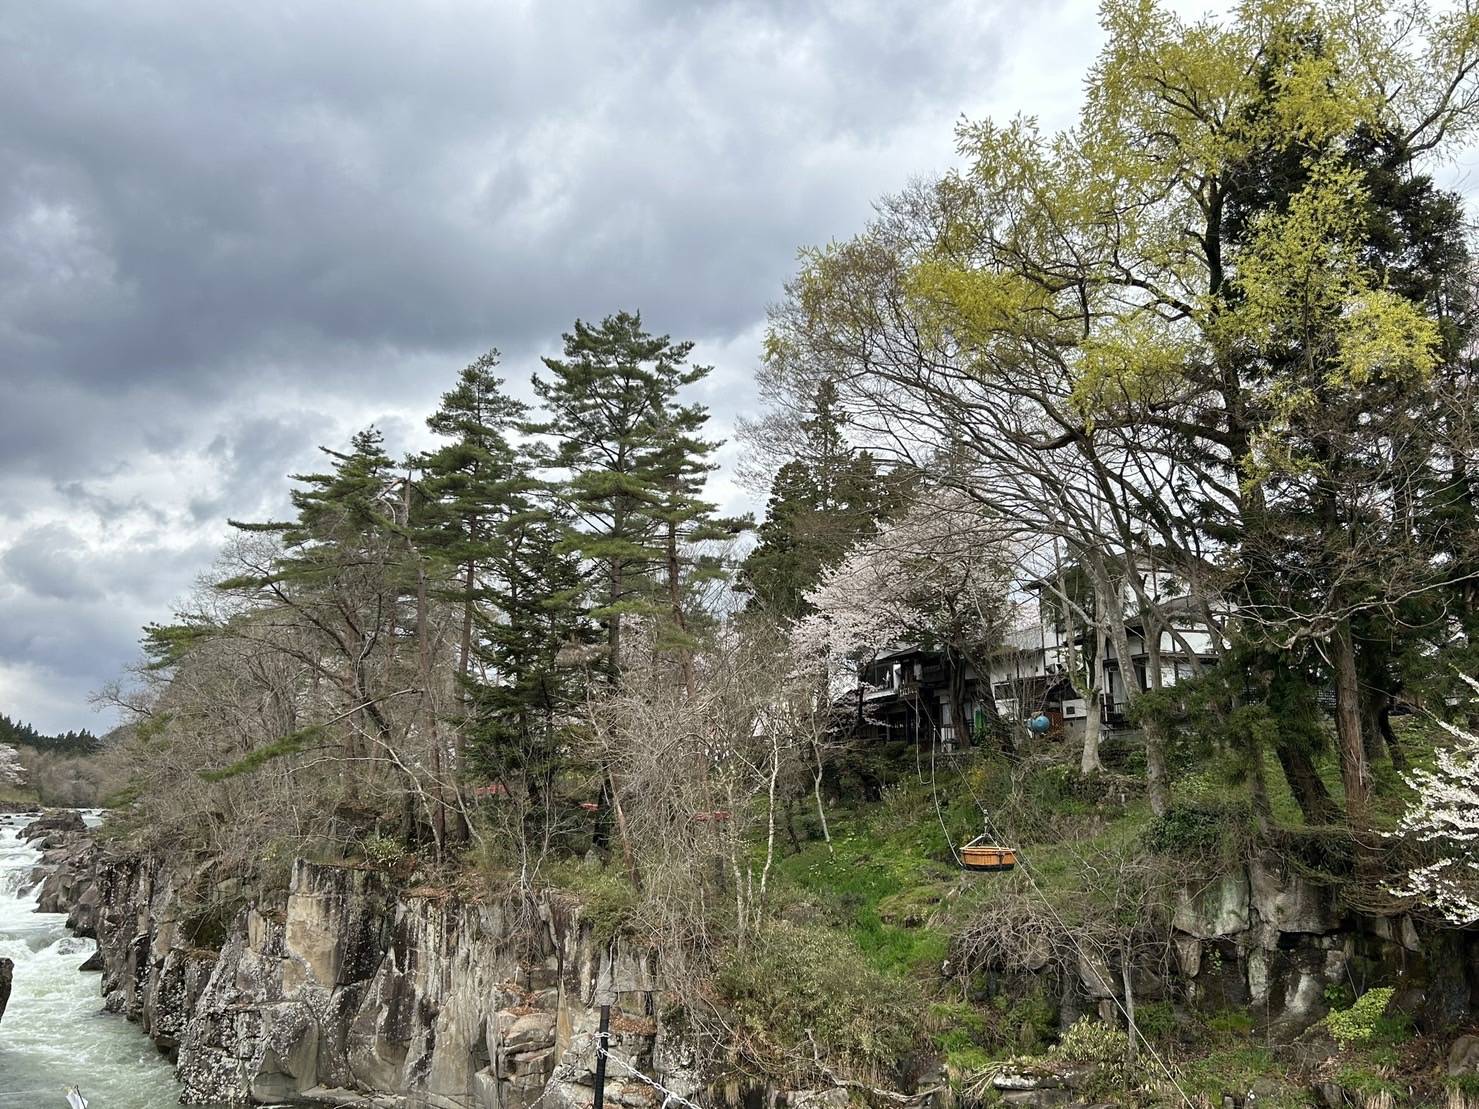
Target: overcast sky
[(230, 232)]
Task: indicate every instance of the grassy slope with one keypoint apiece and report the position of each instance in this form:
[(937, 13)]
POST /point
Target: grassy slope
[(888, 881)]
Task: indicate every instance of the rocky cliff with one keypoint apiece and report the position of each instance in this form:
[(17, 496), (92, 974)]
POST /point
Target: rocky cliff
[(349, 993), (353, 992)]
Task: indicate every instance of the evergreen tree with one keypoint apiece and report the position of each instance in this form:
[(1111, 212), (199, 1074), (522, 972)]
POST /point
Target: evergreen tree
[(342, 576), (630, 460), (13, 733), (472, 484), (532, 647), (821, 504)]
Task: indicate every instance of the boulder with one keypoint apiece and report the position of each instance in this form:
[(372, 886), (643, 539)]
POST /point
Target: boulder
[(1220, 908), (1289, 903), (7, 972), (1463, 1057), (54, 820)]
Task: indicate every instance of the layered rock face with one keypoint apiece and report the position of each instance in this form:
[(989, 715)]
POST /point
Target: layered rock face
[(348, 988), (1273, 941)]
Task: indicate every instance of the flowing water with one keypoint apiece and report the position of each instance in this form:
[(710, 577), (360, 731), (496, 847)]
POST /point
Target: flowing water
[(54, 1032)]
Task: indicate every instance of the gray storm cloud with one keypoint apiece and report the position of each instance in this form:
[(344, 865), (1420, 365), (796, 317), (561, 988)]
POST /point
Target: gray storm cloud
[(230, 232)]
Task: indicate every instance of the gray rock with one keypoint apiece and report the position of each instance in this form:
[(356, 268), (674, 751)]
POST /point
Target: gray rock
[(54, 820), (1221, 908), (1463, 1056), (7, 974), (1289, 903)]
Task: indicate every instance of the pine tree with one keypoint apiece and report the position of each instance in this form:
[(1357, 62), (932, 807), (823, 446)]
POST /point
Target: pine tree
[(821, 504), (472, 483), (532, 647), (630, 459), (341, 574)]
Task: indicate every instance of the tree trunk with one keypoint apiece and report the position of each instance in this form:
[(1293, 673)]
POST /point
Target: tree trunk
[(621, 831), (1155, 729), (675, 601), (1156, 777), (1090, 763), (428, 712), (1134, 1032), (1354, 770), (816, 788), (613, 618), (1394, 745), (960, 727), (1304, 780)]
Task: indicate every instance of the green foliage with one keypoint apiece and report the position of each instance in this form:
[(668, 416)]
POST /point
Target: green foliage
[(382, 851), (1338, 995), (1220, 1070), (606, 898), (1156, 1020), (821, 503), (1106, 1049), (1233, 1022), (1361, 1023), (793, 982), (1368, 1080), (1198, 831), (885, 879), (959, 1035), (632, 461), (292, 744), (1091, 1041)]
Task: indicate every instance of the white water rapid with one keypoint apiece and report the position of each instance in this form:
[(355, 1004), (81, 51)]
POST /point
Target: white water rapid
[(54, 1033)]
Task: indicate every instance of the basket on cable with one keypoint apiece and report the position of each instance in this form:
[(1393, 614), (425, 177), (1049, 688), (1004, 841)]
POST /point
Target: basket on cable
[(982, 855)]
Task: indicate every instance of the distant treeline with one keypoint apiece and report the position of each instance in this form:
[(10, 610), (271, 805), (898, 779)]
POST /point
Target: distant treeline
[(67, 743)]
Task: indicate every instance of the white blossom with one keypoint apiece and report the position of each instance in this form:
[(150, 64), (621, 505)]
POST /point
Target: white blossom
[(12, 773), (1445, 814), (941, 575)]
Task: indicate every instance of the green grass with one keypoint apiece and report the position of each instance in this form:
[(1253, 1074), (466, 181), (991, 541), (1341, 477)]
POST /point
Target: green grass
[(886, 882)]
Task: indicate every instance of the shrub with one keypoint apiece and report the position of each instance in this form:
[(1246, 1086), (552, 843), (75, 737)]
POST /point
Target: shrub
[(1102, 1047), (1195, 831), (607, 900), (794, 980), (1089, 1041), (1155, 1019), (1360, 1023), (383, 851)]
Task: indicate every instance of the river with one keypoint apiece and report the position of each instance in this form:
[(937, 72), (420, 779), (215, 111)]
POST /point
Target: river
[(54, 1032)]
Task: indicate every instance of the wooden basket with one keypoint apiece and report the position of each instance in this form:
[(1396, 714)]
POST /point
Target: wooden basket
[(987, 856)]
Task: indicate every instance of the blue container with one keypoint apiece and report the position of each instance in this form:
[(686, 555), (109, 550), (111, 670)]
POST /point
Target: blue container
[(1039, 724)]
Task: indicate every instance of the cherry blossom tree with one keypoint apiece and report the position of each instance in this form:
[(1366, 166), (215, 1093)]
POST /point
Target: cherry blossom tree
[(1445, 815), (12, 772), (940, 576)]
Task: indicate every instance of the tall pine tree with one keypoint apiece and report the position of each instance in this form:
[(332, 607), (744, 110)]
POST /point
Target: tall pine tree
[(630, 461)]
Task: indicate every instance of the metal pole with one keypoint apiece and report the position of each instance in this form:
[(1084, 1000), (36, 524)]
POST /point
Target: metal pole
[(602, 1038)]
